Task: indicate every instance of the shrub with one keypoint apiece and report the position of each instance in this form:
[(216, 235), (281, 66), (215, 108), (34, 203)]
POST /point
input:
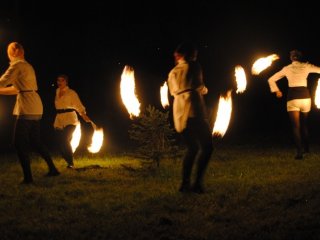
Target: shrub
[(154, 135)]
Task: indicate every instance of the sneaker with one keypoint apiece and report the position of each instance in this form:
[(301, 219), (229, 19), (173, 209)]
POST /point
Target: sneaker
[(70, 166)]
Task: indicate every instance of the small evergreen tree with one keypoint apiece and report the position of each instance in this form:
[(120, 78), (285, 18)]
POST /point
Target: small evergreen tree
[(154, 135)]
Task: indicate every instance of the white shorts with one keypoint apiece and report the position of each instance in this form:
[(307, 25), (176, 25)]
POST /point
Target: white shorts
[(301, 105)]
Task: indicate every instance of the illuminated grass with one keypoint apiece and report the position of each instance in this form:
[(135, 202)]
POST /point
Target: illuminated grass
[(251, 194)]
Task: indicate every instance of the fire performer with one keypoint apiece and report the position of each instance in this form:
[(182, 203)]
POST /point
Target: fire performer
[(68, 104), (185, 83), (298, 97), (20, 79)]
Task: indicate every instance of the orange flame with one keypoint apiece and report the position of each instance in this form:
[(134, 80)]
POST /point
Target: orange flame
[(97, 140), (240, 79), (317, 95), (164, 95), (263, 63), (76, 136), (127, 87), (223, 115)]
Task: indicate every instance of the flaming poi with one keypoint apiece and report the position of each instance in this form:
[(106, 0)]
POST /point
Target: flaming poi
[(240, 79), (317, 95), (263, 63), (223, 115), (76, 136), (97, 139), (164, 95), (128, 95)]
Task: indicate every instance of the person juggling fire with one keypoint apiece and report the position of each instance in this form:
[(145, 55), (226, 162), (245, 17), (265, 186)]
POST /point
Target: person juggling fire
[(20, 80), (298, 97), (185, 82), (67, 104)]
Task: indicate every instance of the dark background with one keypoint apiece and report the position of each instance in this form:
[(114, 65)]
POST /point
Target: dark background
[(93, 41)]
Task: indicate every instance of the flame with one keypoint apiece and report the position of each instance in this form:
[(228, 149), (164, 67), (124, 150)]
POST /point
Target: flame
[(262, 63), (223, 115), (317, 95), (76, 135), (240, 79), (164, 95), (128, 95), (97, 140)]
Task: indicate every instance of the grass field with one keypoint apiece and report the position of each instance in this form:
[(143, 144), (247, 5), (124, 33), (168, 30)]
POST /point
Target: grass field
[(251, 193)]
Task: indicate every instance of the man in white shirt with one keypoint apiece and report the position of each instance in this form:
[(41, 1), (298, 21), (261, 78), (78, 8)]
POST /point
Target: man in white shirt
[(67, 104), (20, 79)]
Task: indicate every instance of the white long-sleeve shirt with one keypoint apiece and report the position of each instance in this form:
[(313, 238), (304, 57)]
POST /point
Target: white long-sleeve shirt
[(296, 74), (68, 100), (22, 76)]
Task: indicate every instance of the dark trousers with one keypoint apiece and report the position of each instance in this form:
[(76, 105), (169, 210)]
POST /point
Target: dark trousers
[(198, 139), (64, 138), (27, 137)]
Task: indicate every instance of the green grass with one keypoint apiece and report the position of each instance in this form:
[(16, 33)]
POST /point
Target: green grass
[(251, 194)]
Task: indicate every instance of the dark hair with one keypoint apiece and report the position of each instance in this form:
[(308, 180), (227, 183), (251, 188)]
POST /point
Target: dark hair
[(188, 49), (64, 76), (295, 55)]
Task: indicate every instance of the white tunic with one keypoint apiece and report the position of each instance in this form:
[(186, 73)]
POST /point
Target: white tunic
[(69, 100), (187, 89), (22, 76)]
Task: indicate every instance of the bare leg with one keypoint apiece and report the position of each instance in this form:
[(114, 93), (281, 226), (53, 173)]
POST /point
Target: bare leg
[(295, 122), (304, 131)]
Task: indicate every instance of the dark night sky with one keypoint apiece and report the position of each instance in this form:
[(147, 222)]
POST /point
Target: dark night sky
[(92, 42)]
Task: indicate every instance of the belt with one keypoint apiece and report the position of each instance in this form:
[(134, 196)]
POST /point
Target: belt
[(65, 110), (24, 91), (186, 90)]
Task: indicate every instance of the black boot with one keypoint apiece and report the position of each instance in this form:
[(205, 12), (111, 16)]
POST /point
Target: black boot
[(197, 188), (185, 187)]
